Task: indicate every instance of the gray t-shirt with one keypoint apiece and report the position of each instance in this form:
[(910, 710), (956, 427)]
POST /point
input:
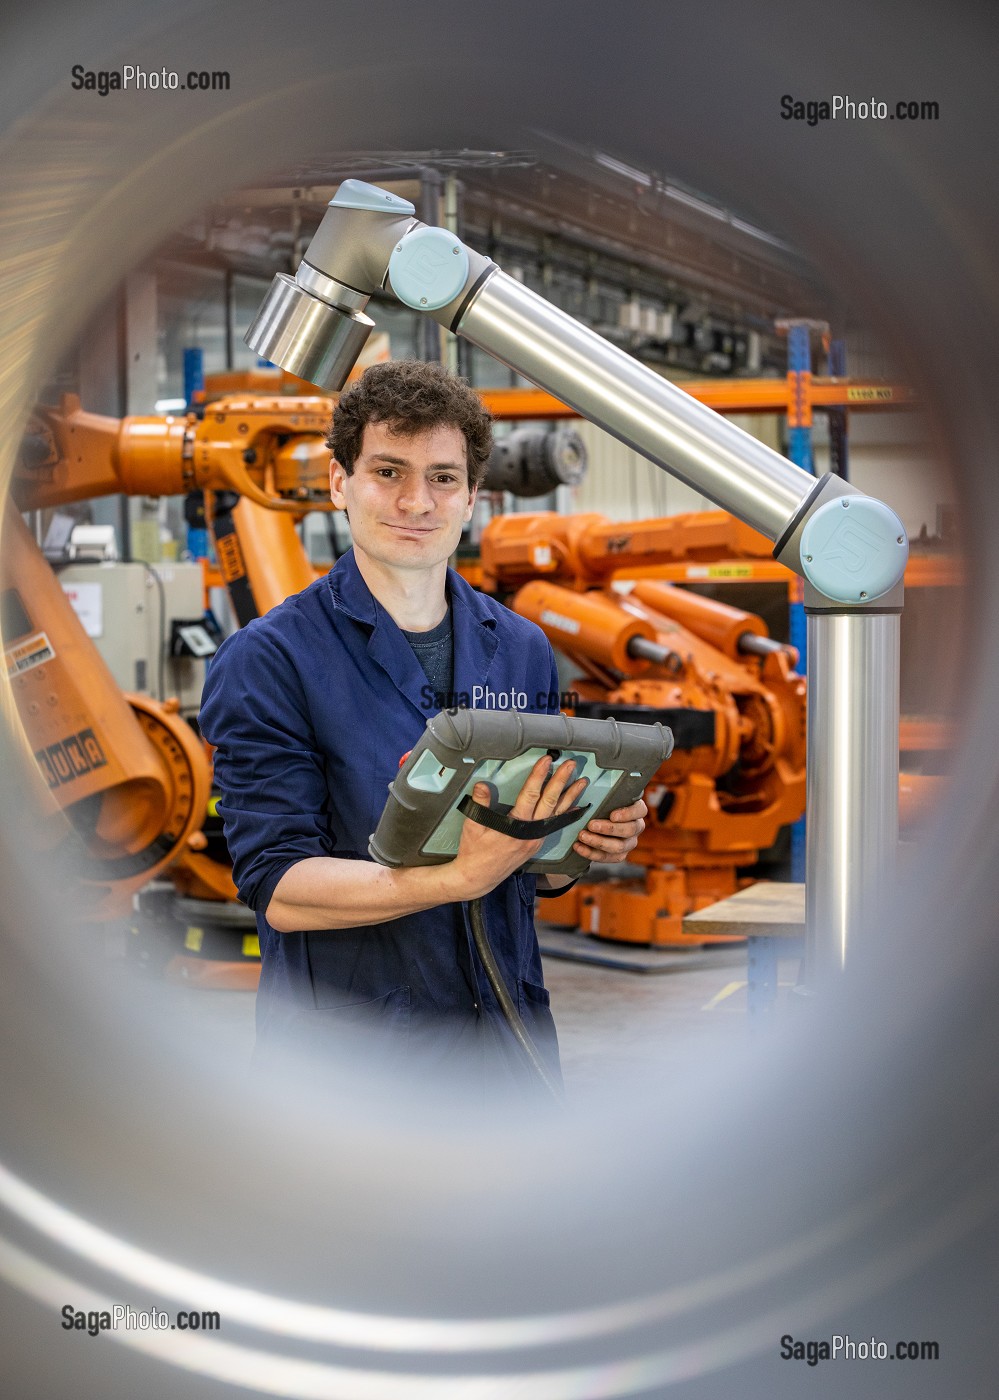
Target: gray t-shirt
[(435, 653)]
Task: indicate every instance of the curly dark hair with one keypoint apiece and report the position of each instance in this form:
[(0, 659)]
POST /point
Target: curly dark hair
[(411, 396)]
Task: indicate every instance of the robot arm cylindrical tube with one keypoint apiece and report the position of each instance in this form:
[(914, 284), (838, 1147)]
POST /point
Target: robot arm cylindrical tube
[(634, 404)]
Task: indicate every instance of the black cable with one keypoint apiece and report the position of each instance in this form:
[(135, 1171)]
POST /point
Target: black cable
[(520, 1031), (232, 565)]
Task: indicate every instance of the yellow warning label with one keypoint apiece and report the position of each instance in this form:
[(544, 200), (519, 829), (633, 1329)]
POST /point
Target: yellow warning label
[(251, 945), (230, 557), (870, 393), (194, 938), (32, 651), (730, 571)]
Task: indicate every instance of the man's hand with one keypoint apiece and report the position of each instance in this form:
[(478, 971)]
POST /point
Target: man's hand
[(322, 892), (485, 858), (612, 838)]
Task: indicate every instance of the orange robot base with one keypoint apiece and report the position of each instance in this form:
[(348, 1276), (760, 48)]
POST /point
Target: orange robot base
[(648, 911), (212, 974)]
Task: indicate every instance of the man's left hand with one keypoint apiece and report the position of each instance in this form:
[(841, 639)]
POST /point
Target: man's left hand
[(612, 838)]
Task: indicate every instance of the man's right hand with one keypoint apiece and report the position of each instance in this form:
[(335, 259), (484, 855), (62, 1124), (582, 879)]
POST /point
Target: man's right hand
[(323, 892), (485, 858)]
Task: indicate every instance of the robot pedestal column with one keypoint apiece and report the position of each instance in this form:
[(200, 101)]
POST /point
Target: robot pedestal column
[(852, 780)]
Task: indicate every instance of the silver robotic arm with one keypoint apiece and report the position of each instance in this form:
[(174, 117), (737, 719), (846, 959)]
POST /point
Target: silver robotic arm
[(850, 549)]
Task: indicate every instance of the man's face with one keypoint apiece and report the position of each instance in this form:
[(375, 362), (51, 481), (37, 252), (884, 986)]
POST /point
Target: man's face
[(408, 495)]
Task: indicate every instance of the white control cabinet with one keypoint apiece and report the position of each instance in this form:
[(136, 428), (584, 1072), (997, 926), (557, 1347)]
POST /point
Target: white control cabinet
[(127, 610)]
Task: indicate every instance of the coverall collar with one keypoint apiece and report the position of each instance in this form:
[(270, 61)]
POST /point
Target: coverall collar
[(475, 640)]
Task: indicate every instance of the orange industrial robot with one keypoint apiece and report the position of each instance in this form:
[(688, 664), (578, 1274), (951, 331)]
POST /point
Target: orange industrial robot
[(135, 780), (131, 776), (710, 672)]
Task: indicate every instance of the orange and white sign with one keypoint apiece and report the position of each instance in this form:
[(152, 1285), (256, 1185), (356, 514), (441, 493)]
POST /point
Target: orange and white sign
[(30, 651)]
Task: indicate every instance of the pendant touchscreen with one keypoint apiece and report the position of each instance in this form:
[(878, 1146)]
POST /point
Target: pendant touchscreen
[(422, 821)]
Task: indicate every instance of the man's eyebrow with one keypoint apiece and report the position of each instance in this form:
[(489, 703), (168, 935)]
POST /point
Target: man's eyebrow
[(388, 458)]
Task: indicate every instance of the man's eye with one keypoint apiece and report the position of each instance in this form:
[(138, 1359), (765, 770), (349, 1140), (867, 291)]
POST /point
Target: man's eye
[(447, 479)]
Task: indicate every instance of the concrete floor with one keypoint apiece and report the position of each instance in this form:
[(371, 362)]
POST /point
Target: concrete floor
[(607, 1017)]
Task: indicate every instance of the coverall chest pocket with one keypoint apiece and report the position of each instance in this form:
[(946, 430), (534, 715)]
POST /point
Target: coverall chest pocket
[(382, 1021), (389, 1012), (376, 1029)]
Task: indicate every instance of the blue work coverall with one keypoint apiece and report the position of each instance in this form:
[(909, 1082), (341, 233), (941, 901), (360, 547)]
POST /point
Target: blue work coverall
[(310, 709)]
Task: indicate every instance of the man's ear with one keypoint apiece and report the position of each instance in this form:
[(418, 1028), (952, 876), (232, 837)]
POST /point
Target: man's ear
[(471, 502), (337, 478)]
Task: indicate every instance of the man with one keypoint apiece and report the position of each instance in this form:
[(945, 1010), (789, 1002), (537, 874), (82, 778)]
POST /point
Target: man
[(310, 709)]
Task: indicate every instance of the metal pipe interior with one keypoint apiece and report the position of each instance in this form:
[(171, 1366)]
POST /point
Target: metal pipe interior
[(852, 780), (635, 404)]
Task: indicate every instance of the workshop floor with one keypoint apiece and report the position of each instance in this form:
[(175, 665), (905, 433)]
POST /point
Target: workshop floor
[(691, 1002), (607, 1017)]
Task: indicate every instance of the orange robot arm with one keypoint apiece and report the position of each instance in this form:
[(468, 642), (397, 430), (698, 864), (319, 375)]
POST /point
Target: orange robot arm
[(127, 771), (269, 450), (129, 774)]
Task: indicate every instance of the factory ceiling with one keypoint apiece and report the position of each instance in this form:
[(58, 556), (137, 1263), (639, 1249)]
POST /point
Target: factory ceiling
[(585, 211)]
